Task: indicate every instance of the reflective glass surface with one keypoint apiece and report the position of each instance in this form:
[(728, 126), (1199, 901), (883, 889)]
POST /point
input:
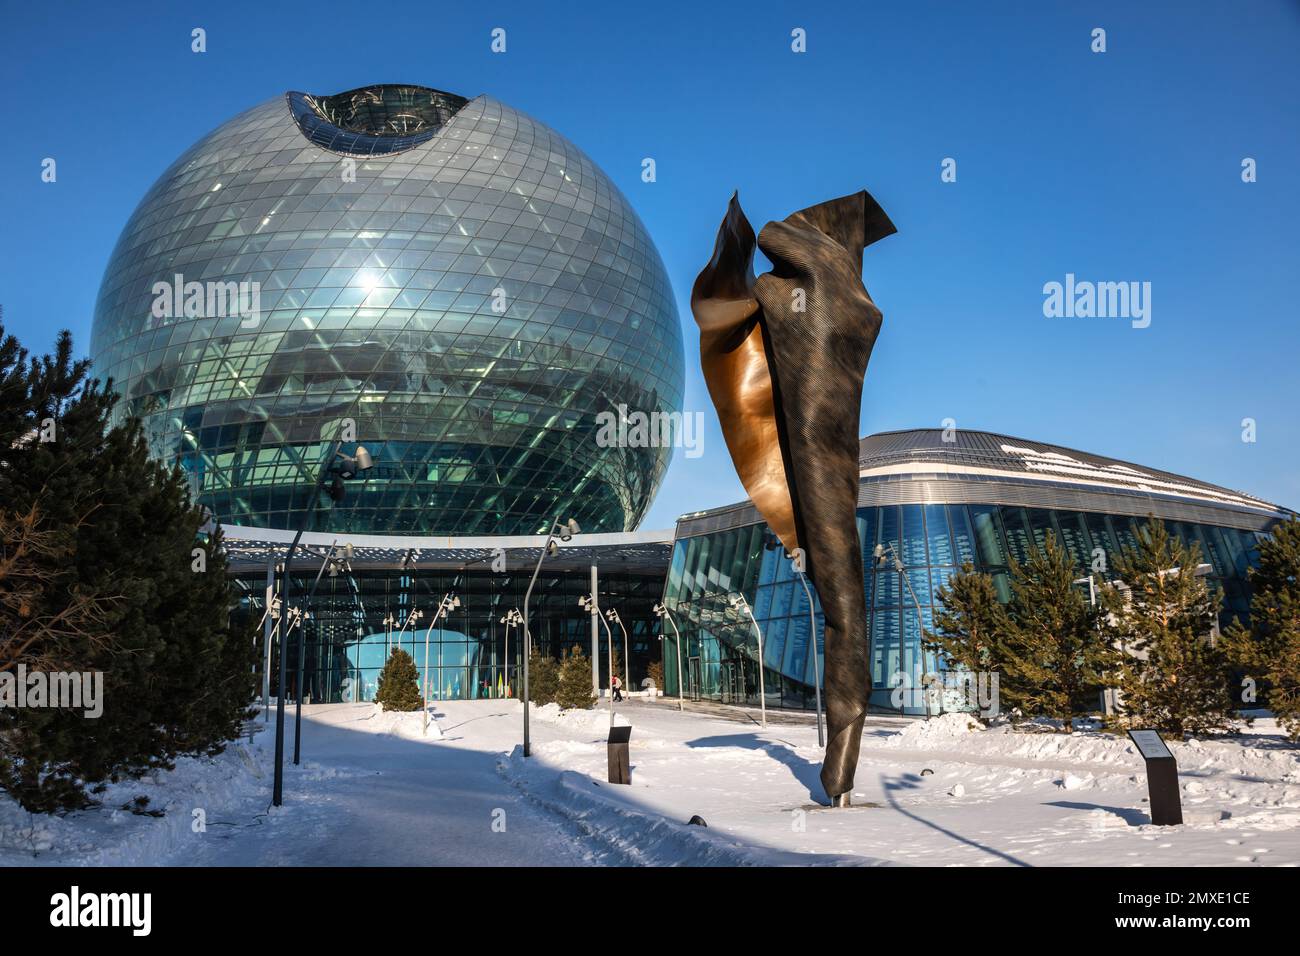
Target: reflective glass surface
[(471, 653), (453, 276), (718, 643)]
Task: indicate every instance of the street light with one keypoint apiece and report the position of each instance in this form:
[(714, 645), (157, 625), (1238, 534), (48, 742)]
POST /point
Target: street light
[(564, 531), (350, 467), (588, 603), (415, 614), (817, 670), (737, 601), (270, 638), (389, 621), (449, 601), (512, 618), (328, 562), (664, 614), (882, 554), (612, 615)]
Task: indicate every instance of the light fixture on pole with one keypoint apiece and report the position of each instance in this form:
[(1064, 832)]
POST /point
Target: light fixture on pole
[(414, 615), (612, 615), (328, 562), (445, 606), (737, 601), (666, 615), (564, 531), (817, 670), (884, 554), (588, 603), (512, 618), (350, 467)]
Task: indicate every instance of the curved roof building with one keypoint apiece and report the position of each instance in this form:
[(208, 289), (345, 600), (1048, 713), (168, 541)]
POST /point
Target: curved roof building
[(941, 499), (443, 279)]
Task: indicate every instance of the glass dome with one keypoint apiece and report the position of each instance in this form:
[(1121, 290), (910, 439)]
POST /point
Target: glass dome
[(450, 275)]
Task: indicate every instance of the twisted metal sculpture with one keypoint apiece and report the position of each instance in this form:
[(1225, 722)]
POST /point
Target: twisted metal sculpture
[(784, 356)]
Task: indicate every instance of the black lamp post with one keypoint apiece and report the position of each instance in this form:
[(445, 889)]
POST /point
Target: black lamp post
[(350, 467), (564, 531), (333, 564)]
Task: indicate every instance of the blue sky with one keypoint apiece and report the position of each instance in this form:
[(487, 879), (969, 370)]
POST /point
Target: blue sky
[(1118, 166)]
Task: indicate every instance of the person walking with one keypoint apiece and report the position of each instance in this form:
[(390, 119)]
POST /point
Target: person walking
[(617, 686)]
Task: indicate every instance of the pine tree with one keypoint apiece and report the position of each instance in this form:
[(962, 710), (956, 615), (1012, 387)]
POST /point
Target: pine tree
[(1172, 677), (573, 687), (1268, 649), (970, 626), (543, 678), (399, 683), (1056, 655), (177, 677)]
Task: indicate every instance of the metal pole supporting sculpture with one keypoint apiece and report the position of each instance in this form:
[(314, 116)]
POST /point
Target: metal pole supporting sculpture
[(784, 356)]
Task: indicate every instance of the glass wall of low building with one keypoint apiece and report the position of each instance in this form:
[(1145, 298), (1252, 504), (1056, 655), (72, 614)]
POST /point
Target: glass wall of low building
[(719, 646), (355, 621)]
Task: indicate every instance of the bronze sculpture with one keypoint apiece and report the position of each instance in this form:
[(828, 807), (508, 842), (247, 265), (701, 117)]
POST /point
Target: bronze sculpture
[(784, 356)]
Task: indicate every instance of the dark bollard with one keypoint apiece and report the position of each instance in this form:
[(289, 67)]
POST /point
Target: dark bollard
[(620, 767), (1162, 777)]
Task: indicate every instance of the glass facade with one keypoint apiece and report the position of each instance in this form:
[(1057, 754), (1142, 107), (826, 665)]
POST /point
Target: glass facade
[(933, 540), (451, 275), (471, 654)]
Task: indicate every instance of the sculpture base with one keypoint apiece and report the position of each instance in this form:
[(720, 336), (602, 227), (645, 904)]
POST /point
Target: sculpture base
[(843, 800)]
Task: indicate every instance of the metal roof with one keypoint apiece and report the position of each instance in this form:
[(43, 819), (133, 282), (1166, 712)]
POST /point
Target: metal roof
[(934, 465), (964, 450), (250, 549)]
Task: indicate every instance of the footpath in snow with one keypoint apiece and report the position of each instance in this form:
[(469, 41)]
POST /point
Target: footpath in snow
[(377, 789), (940, 792), (374, 789)]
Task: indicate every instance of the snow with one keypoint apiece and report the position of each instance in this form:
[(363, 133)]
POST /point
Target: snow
[(945, 728), (114, 835), (408, 725), (575, 719), (375, 788)]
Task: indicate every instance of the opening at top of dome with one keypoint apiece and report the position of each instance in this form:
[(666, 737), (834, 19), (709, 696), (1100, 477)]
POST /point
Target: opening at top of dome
[(385, 118)]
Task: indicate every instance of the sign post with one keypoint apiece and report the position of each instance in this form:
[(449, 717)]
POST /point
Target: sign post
[(1162, 777), (620, 766)]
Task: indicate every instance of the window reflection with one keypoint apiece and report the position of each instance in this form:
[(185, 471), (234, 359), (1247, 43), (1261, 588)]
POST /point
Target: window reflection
[(932, 538)]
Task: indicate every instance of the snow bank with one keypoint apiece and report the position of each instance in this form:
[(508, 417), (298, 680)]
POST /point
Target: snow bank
[(595, 719), (408, 725), (1257, 768), (942, 731), (637, 835), (112, 834)]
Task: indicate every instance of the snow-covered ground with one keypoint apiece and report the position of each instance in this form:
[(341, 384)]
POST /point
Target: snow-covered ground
[(376, 788)]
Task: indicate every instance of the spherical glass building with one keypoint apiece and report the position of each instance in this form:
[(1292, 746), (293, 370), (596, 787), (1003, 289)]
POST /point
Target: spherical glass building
[(451, 277)]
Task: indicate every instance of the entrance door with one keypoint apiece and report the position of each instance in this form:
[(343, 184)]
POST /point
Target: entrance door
[(733, 680), (693, 677)]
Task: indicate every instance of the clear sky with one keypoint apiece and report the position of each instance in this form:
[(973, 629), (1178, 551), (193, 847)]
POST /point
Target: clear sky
[(1115, 166)]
